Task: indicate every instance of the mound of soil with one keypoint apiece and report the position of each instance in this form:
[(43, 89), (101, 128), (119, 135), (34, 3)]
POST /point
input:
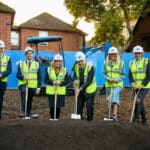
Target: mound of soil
[(67, 134)]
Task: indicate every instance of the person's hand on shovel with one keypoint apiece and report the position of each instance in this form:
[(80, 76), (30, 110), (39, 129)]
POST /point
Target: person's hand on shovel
[(26, 78), (77, 91), (37, 91), (56, 83)]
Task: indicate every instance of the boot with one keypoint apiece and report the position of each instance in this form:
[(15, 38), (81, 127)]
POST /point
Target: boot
[(143, 114), (144, 120)]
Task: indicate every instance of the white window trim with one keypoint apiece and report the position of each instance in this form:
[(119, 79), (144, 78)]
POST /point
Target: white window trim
[(43, 34)]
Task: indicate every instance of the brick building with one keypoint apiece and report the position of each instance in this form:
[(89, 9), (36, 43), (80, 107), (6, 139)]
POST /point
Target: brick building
[(44, 24)]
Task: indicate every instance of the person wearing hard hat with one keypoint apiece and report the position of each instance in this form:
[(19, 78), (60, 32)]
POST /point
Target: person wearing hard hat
[(139, 77), (29, 81), (56, 80), (5, 71), (113, 74), (85, 85)]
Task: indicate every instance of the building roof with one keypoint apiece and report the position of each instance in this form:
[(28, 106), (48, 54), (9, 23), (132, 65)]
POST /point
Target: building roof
[(45, 21), (6, 9), (141, 23), (146, 12)]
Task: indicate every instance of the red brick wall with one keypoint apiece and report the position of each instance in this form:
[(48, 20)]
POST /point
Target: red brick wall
[(5, 29), (70, 40)]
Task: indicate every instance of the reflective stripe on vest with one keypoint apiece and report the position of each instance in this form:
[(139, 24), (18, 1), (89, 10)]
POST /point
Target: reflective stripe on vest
[(139, 71), (114, 72), (30, 73), (50, 89), (4, 64), (92, 87)]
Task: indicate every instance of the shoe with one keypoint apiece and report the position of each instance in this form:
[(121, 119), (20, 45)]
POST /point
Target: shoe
[(114, 117), (51, 119), (21, 115), (27, 118), (144, 121), (89, 119), (135, 120)]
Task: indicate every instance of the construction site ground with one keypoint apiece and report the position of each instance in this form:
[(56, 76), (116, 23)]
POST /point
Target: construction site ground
[(69, 134)]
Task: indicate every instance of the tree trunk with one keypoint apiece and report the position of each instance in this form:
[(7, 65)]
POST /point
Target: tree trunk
[(124, 8)]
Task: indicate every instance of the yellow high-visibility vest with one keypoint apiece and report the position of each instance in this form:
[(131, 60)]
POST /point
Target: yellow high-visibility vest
[(114, 72), (92, 87), (31, 73), (139, 71), (50, 89), (4, 63)]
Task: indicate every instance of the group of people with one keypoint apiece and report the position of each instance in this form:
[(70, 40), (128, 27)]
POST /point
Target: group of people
[(84, 81)]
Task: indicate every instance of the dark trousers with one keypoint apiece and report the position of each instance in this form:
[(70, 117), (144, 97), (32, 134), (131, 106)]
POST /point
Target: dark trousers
[(140, 110), (31, 93), (1, 101), (58, 109), (89, 100), (139, 107), (2, 91)]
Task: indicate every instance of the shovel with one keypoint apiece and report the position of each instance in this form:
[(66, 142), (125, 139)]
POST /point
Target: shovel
[(26, 101), (55, 105), (133, 107), (75, 115), (109, 106)]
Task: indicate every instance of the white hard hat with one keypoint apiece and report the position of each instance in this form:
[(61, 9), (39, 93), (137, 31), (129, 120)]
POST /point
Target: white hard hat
[(138, 49), (80, 56), (112, 50), (28, 49), (2, 44), (58, 57)]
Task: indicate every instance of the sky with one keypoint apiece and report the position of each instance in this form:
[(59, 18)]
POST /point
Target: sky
[(27, 9)]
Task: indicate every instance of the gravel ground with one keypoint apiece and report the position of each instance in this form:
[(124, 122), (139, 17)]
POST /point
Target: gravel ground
[(11, 107)]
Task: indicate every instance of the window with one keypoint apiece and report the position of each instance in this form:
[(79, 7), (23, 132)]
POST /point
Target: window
[(15, 38), (43, 34)]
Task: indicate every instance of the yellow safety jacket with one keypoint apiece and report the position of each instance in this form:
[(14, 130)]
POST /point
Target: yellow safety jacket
[(139, 71), (92, 87), (4, 63), (50, 89), (114, 72), (31, 73)]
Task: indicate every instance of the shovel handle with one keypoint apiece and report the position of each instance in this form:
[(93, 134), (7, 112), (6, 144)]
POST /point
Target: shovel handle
[(26, 99), (76, 102), (110, 100), (55, 102), (133, 107)]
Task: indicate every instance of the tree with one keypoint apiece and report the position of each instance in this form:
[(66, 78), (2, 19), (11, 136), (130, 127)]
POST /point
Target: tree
[(108, 18)]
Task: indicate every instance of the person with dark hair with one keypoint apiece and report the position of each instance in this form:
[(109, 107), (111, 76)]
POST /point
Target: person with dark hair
[(139, 77), (29, 82)]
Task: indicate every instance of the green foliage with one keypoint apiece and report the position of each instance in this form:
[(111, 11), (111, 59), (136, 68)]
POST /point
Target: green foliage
[(109, 28), (88, 9), (108, 19)]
